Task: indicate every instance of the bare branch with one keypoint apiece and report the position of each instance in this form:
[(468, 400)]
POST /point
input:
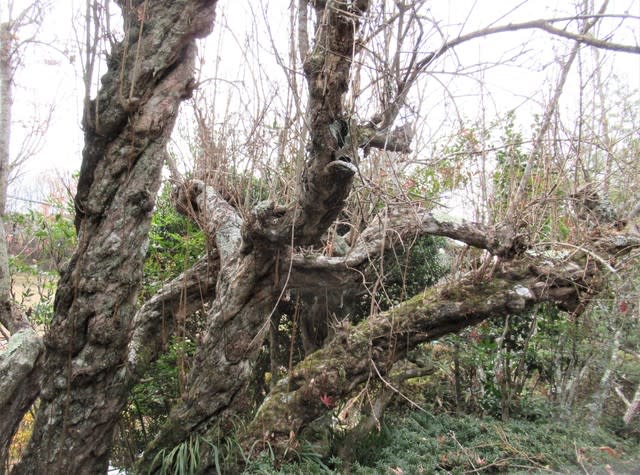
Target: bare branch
[(219, 220), (393, 228), (633, 408), (396, 140), (516, 201), (303, 34), (542, 24), (416, 67)]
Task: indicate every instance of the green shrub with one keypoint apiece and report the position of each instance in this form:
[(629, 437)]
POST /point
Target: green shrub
[(423, 443)]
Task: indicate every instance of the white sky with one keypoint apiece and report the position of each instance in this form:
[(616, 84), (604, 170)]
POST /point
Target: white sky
[(48, 77)]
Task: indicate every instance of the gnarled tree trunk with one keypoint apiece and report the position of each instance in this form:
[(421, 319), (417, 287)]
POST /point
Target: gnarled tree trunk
[(250, 252), (85, 376), (369, 349)]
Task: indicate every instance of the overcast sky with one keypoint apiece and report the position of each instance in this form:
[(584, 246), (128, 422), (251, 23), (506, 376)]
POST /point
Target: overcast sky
[(49, 78)]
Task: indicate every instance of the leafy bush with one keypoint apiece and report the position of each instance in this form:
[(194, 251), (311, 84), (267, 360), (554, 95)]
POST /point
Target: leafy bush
[(421, 443), (149, 404), (306, 461), (39, 245), (34, 237), (175, 244), (183, 459)]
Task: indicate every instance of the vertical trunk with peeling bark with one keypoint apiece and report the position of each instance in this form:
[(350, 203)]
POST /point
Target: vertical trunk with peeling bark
[(239, 320), (19, 370), (600, 396), (633, 408), (6, 101), (85, 378)]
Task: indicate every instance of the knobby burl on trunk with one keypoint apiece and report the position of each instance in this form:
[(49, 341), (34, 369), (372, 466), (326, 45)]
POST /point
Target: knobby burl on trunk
[(85, 377)]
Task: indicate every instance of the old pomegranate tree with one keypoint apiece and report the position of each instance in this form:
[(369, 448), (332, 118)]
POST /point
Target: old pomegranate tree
[(100, 341)]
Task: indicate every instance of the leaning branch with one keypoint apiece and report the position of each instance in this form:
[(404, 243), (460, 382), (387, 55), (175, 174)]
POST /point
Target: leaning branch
[(218, 219), (395, 227), (392, 226), (190, 291), (20, 371), (379, 341)]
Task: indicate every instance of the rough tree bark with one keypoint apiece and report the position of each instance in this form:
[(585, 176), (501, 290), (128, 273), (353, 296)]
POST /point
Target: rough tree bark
[(251, 251), (6, 101), (257, 259), (20, 371), (126, 128), (633, 405), (632, 409), (599, 397), (520, 281)]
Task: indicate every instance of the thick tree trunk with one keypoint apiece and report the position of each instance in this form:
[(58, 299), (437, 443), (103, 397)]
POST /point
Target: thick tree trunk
[(238, 322), (373, 346), (329, 171), (329, 168), (126, 128)]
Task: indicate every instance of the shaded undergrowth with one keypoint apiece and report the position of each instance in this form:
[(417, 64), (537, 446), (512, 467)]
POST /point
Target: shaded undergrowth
[(420, 443)]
